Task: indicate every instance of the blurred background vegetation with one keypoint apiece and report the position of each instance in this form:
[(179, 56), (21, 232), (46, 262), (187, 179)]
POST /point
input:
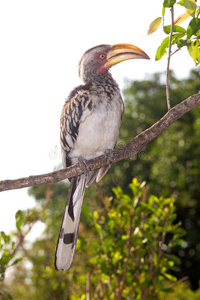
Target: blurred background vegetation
[(163, 260)]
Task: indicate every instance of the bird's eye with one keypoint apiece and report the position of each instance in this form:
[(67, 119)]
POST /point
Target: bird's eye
[(102, 56)]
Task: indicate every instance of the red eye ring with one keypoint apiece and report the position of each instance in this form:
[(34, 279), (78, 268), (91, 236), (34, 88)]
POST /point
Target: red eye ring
[(102, 56)]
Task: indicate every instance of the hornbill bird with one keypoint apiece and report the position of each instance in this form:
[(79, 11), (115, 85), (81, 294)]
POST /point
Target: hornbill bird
[(89, 125)]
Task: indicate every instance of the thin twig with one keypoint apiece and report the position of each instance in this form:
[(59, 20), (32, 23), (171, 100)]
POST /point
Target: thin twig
[(169, 57), (175, 51), (88, 287), (178, 282)]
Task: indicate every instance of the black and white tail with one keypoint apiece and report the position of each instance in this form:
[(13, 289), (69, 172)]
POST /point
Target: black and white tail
[(66, 244)]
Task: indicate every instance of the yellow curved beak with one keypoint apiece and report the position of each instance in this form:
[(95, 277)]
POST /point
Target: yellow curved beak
[(121, 52)]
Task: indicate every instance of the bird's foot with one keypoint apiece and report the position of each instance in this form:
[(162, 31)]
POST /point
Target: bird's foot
[(83, 164), (109, 155)]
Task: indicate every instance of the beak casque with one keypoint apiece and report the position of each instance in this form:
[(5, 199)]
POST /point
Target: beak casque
[(121, 52)]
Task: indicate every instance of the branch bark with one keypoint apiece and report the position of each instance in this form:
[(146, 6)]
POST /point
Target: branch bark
[(132, 148)]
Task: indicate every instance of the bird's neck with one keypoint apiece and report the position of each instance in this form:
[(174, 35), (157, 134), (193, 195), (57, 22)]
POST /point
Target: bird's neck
[(104, 81)]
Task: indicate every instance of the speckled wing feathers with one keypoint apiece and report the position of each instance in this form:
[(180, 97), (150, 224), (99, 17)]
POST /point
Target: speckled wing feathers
[(71, 115)]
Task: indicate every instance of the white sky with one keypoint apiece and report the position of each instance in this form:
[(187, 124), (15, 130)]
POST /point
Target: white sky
[(41, 43)]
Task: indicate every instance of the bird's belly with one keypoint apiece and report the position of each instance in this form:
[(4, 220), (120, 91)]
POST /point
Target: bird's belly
[(99, 132)]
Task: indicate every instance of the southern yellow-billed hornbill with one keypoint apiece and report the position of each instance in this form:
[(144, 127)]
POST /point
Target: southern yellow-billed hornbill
[(89, 125)]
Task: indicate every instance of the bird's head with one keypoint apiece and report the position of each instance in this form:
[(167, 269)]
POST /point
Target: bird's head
[(99, 59)]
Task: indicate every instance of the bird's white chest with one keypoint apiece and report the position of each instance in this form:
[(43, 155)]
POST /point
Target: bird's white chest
[(98, 130)]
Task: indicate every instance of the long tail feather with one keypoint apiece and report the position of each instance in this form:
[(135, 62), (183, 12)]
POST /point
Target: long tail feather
[(66, 244)]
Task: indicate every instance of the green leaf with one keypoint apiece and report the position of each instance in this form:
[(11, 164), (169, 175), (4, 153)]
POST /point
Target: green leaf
[(190, 6), (154, 25), (194, 52), (198, 11), (135, 186), (174, 258), (18, 225), (181, 2), (5, 237), (98, 228), (181, 43), (177, 37), (111, 223), (193, 27), (176, 28), (124, 237), (169, 3), (148, 206), (118, 191), (162, 48), (163, 11), (95, 215), (170, 277)]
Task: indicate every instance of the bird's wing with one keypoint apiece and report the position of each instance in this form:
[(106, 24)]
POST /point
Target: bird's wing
[(77, 107), (66, 244)]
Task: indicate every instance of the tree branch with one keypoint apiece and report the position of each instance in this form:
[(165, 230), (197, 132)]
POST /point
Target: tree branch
[(132, 148)]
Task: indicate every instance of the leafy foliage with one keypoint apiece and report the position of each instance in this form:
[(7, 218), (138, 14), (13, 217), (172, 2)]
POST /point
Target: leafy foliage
[(126, 250), (129, 261), (181, 37), (7, 258), (7, 251)]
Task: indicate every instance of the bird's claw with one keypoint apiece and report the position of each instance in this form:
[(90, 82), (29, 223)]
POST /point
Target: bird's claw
[(109, 155), (83, 164)]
